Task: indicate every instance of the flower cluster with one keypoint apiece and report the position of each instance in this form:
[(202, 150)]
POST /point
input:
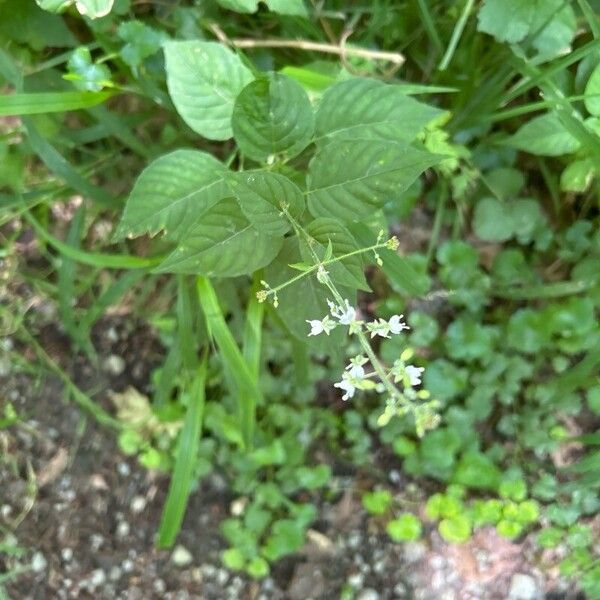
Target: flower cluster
[(355, 376)]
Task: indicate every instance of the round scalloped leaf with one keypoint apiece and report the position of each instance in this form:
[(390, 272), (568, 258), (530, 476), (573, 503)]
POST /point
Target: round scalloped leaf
[(272, 115), (262, 197), (368, 109), (222, 244), (172, 193), (94, 9), (204, 79), (349, 180)]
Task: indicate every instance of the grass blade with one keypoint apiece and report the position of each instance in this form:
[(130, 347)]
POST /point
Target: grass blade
[(185, 461), (253, 328), (94, 259), (49, 102), (246, 386)]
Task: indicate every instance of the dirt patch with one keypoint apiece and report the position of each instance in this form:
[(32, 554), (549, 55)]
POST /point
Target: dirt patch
[(81, 518)]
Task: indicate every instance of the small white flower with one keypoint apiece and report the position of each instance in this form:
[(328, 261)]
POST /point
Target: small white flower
[(414, 374), (346, 315), (324, 325), (355, 368), (355, 371), (346, 385), (396, 324)]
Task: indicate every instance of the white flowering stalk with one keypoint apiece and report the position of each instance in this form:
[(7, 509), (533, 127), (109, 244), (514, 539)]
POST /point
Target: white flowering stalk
[(400, 382)]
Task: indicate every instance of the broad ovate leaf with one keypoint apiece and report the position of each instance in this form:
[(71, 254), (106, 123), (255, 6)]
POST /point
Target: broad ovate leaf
[(362, 108), (204, 79), (94, 9), (264, 197), (172, 193), (272, 115), (507, 20), (348, 180), (544, 136), (222, 244), (323, 233)]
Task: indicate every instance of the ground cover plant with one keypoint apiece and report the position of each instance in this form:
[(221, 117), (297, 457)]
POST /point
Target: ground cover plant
[(355, 232)]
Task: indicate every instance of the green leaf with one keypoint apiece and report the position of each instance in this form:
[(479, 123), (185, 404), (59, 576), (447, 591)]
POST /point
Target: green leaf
[(553, 26), (141, 41), (327, 233), (284, 7), (457, 529), (491, 220), (578, 176), (222, 244), (54, 6), (272, 115), (592, 89), (49, 102), (204, 78), (379, 173), (377, 502), (185, 462), (94, 8), (257, 567), (363, 108), (233, 559), (406, 528), (507, 20), (85, 74), (286, 537), (287, 7), (263, 195), (544, 136), (476, 470), (172, 193), (243, 6)]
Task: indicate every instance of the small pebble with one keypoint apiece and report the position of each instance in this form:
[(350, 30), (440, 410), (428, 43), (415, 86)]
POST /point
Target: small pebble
[(38, 562), (123, 469), (523, 587), (97, 578), (123, 529), (115, 573), (6, 511), (114, 365), (96, 541), (222, 576), (208, 571), (160, 587), (67, 554), (356, 580), (138, 504), (354, 539), (181, 556), (127, 565)]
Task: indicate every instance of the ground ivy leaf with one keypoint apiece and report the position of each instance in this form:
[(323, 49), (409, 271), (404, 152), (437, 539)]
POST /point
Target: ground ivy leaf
[(348, 180), (368, 109), (204, 78), (544, 136), (84, 73), (491, 220), (172, 193), (262, 196), (222, 244), (507, 20), (326, 232), (272, 115)]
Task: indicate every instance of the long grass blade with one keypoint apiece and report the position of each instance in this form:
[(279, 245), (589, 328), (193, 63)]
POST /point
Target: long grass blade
[(253, 328), (185, 461), (49, 102), (246, 386)]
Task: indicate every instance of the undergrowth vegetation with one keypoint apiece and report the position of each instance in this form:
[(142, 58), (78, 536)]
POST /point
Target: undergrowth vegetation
[(355, 229)]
